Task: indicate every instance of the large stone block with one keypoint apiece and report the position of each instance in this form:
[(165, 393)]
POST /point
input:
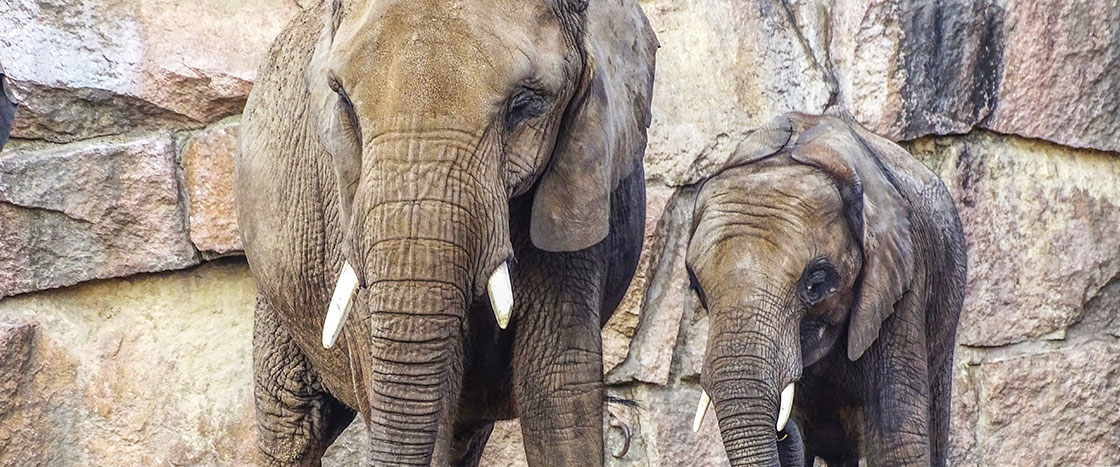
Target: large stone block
[(90, 210), (1042, 223), (92, 68), (207, 160), (1061, 72), (1054, 408), (149, 370)]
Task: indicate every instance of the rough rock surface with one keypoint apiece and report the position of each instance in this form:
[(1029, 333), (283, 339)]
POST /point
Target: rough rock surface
[(207, 161), (85, 69), (15, 351), (90, 210), (1043, 229), (150, 370)]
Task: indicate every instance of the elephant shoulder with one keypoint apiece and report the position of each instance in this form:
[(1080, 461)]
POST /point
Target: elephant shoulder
[(279, 152), (280, 92)]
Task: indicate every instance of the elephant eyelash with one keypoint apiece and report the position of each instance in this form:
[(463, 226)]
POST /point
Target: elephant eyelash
[(526, 104), (818, 273), (347, 106)]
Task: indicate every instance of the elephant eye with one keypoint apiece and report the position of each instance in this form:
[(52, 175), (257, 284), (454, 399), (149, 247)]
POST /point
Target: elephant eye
[(818, 282), (526, 104), (344, 103)]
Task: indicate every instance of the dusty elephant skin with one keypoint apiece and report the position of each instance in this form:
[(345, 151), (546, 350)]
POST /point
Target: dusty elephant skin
[(428, 144), (832, 265)]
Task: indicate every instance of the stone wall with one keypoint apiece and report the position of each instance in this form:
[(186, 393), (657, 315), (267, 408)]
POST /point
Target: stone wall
[(124, 332)]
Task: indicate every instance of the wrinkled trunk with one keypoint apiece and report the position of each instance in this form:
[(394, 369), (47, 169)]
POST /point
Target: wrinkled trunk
[(744, 373), (420, 241), (746, 409)]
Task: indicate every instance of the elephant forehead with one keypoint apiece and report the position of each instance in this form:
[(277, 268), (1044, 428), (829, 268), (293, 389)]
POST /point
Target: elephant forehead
[(776, 211), (791, 192), (446, 41)]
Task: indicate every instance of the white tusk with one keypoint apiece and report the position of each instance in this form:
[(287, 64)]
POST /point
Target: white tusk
[(786, 407), (340, 305), (701, 410), (501, 294)]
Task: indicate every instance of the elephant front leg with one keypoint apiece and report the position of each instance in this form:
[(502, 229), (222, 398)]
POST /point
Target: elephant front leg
[(897, 412), (558, 364), (296, 419)]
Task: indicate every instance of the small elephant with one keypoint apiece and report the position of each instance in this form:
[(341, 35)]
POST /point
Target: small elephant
[(832, 266), (442, 203)]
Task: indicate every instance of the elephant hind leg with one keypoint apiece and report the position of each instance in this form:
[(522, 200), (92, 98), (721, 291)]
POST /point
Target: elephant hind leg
[(296, 419)]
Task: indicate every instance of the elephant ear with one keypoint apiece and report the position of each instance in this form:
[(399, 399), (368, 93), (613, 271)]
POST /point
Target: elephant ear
[(879, 216), (603, 136), (336, 126)]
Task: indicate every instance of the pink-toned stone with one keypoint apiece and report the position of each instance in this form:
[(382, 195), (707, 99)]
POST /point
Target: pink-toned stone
[(1054, 408), (90, 210), (207, 160), (1061, 72), (92, 68), (1042, 223)]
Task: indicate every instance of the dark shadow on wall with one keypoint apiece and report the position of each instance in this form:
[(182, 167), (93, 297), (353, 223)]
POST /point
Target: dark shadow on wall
[(7, 108)]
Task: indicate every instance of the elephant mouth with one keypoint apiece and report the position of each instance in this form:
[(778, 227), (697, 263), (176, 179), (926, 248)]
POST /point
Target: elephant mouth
[(498, 287), (785, 407)]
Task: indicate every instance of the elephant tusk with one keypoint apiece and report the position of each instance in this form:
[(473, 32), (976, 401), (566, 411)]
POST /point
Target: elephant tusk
[(340, 305), (786, 406), (501, 294), (701, 410)]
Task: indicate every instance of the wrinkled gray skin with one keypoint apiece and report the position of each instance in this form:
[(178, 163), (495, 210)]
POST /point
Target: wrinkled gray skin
[(827, 256), (427, 142)]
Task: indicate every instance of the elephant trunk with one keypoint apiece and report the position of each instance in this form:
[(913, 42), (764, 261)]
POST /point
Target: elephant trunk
[(746, 408), (748, 375), (423, 244)]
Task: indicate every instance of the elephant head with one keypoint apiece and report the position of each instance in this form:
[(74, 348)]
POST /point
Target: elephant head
[(800, 244), (436, 113)]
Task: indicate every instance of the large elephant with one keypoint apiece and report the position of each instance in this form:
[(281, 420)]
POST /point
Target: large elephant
[(832, 265), (446, 169)]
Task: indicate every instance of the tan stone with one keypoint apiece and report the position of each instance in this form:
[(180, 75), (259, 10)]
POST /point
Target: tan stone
[(620, 329), (150, 370), (722, 69), (1042, 223), (90, 210), (15, 351), (650, 350), (207, 160), (92, 68)]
